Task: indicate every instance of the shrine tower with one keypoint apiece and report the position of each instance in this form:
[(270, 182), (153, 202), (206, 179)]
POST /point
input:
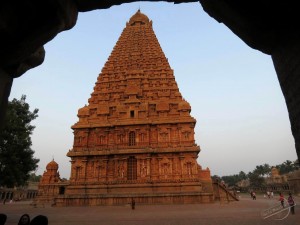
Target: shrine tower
[(135, 137)]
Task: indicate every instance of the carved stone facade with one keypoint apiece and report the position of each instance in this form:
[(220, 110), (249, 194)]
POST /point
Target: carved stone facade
[(275, 177), (294, 181), (50, 185), (135, 138)]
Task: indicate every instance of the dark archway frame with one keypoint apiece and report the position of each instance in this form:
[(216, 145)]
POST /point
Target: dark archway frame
[(268, 26)]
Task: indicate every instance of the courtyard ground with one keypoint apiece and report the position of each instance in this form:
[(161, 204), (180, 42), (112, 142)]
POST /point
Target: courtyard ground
[(244, 212)]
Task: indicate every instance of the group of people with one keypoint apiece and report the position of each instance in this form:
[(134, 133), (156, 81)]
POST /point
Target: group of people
[(25, 220), (281, 199), (290, 201), (270, 194)]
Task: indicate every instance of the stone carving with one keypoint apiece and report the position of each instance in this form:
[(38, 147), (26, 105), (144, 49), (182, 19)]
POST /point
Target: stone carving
[(144, 169), (134, 136), (50, 184), (121, 169)]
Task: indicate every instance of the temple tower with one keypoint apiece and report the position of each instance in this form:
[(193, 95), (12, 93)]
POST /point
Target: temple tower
[(135, 138), (50, 184)]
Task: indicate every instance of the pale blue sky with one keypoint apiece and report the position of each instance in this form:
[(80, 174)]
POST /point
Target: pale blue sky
[(242, 119)]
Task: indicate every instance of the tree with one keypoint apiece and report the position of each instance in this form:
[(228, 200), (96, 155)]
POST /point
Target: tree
[(262, 170), (215, 178), (242, 175), (256, 180), (34, 178), (231, 180), (16, 155), (287, 166)]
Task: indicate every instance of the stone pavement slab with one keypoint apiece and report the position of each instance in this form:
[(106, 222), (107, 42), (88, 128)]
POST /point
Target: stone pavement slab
[(244, 212)]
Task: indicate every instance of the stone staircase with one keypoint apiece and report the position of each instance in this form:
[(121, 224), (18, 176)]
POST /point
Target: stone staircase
[(222, 194)]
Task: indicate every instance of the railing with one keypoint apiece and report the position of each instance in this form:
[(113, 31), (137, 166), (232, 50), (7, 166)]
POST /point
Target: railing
[(220, 189)]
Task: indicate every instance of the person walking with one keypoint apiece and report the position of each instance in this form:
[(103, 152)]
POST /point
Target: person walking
[(281, 199), (291, 203), (132, 204), (253, 195)]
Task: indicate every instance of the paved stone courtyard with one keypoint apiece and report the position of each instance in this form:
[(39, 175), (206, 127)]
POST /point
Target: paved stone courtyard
[(244, 212)]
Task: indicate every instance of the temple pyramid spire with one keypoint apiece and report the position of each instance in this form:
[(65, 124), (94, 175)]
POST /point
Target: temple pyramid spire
[(135, 137), (136, 75)]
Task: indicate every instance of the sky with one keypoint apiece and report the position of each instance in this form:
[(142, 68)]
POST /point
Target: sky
[(242, 118)]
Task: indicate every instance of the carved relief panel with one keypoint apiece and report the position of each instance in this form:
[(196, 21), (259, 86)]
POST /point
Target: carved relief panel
[(189, 167), (143, 168), (80, 138), (165, 168), (101, 170), (153, 134), (92, 138), (164, 136), (121, 169)]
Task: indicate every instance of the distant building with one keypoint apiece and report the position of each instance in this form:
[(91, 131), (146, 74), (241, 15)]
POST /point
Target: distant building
[(274, 182), (243, 184), (293, 179), (27, 192), (275, 177)]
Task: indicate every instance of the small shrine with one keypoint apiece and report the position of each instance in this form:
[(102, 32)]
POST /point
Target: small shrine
[(50, 184)]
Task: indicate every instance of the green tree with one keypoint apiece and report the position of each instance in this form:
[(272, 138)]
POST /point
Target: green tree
[(215, 178), (34, 178), (242, 176), (231, 180), (16, 155), (262, 170), (256, 180), (287, 166)]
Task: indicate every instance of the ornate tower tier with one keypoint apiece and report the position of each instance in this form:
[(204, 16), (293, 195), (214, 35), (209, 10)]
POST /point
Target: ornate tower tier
[(135, 138)]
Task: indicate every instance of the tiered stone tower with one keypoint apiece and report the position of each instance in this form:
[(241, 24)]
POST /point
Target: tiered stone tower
[(50, 184), (135, 138)]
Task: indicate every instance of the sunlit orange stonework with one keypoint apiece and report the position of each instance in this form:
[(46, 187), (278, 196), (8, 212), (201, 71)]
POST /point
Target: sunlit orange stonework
[(135, 138), (50, 184)]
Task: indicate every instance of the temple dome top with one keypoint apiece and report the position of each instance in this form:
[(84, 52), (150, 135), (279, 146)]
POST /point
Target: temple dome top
[(52, 165), (139, 17)]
